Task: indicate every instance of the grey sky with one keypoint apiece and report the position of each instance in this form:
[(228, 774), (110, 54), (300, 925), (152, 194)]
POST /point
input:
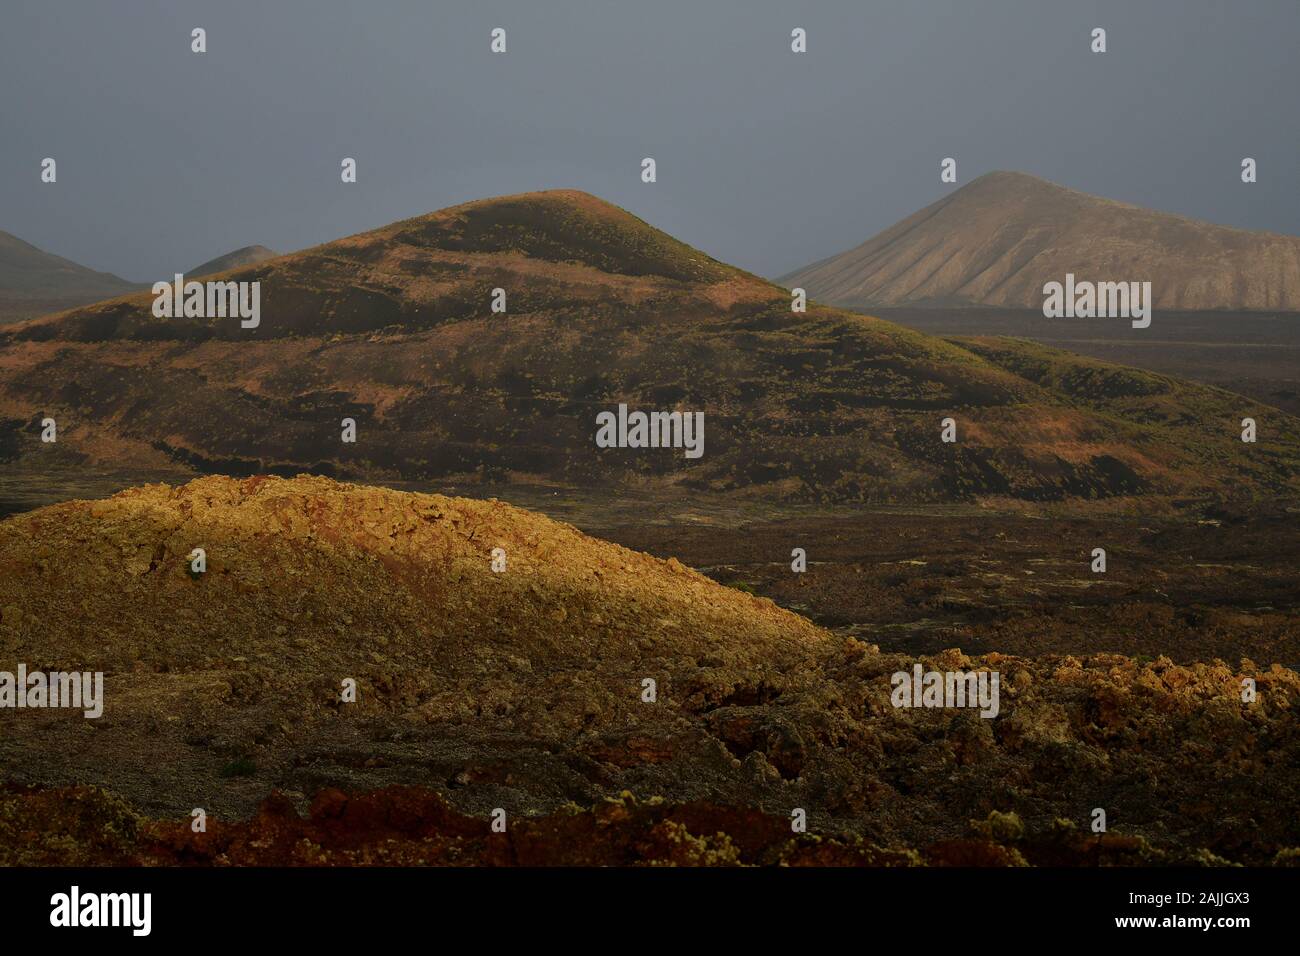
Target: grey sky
[(766, 159)]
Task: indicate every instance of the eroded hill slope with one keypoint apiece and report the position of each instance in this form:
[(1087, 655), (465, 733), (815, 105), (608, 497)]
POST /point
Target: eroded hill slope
[(997, 240)]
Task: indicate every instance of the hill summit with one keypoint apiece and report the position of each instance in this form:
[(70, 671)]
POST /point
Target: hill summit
[(997, 240), (439, 582), (246, 256), (552, 250)]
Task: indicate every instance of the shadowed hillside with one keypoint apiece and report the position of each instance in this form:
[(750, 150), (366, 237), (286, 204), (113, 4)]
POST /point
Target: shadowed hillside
[(394, 329), (998, 239)]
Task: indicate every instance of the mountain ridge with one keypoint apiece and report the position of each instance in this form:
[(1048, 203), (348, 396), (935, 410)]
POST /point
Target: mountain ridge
[(33, 281)]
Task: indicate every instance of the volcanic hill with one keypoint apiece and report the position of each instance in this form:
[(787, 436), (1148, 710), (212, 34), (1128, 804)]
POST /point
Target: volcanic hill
[(394, 329), (246, 256), (524, 689), (999, 238), (34, 282)]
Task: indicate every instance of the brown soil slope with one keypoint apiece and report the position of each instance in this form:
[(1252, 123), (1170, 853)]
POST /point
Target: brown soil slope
[(393, 328), (523, 689), (998, 239)]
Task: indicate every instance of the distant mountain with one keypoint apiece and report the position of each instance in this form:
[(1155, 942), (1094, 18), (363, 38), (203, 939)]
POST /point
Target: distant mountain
[(997, 240), (34, 282), (394, 329), (247, 256)]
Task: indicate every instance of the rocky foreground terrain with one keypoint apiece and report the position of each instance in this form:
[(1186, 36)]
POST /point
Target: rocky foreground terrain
[(524, 689)]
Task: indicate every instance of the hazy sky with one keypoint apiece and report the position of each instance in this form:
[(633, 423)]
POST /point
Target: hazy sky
[(766, 159)]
